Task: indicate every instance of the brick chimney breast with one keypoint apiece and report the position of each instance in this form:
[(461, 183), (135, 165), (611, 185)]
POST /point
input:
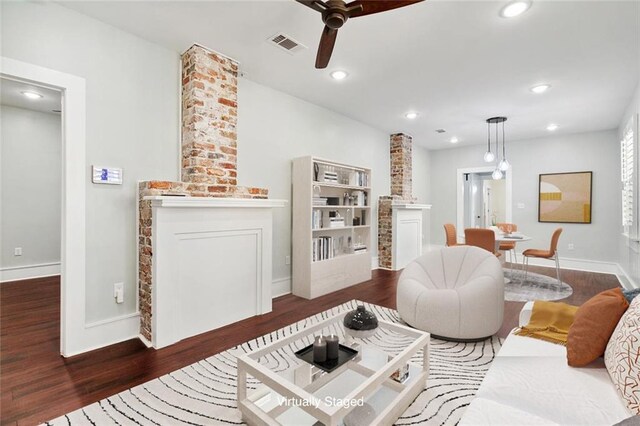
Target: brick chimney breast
[(401, 166)]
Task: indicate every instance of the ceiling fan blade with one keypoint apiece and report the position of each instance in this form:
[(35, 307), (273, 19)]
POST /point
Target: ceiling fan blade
[(316, 5), (327, 41), (369, 7)]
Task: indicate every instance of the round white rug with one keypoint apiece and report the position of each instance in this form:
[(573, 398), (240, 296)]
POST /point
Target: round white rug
[(536, 287)]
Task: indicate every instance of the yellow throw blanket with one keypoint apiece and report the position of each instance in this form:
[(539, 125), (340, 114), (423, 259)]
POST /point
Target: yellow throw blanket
[(550, 321)]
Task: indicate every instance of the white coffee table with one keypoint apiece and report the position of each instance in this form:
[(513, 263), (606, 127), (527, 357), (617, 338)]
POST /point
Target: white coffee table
[(283, 382)]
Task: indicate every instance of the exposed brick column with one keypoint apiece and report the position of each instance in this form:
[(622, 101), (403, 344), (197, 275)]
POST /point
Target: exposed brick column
[(209, 118), (401, 169), (401, 166)]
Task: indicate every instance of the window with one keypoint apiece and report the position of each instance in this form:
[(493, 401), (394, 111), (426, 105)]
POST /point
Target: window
[(629, 166)]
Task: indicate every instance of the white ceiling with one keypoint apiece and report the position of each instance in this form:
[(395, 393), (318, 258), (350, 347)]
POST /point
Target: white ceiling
[(11, 95), (456, 62)]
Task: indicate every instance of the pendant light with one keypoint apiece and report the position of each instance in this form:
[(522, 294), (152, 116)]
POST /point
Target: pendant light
[(489, 156), (504, 163)]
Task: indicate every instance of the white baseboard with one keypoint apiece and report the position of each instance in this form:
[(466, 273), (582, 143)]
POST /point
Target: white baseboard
[(26, 272), (145, 341), (280, 287), (374, 262), (99, 334)]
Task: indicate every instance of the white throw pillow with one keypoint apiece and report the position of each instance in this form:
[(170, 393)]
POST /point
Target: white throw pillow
[(622, 356)]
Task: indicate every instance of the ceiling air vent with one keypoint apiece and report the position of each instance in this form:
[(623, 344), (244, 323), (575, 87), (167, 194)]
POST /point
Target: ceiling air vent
[(440, 130), (286, 43)]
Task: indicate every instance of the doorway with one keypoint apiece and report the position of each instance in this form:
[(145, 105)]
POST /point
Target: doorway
[(482, 201), (74, 337), (30, 178)]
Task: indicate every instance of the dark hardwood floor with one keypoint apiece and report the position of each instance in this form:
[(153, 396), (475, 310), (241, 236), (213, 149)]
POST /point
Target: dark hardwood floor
[(37, 384)]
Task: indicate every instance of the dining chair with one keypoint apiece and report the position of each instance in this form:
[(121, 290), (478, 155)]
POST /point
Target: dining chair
[(450, 233), (509, 246), (551, 254), (483, 238)]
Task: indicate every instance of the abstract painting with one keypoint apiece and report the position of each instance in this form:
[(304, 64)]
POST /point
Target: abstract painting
[(565, 197)]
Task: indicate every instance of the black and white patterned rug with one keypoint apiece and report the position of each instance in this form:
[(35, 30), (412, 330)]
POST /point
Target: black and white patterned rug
[(536, 287), (204, 393)]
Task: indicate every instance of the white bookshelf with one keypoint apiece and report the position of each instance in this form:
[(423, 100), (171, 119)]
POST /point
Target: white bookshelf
[(343, 257)]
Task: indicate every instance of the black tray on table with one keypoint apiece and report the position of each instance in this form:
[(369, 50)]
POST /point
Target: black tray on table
[(345, 354)]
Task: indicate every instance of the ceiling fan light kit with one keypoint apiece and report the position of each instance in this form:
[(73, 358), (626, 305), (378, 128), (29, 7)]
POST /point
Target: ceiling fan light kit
[(335, 14)]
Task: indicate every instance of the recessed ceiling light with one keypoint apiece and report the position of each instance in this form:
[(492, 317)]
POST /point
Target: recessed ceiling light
[(540, 88), (552, 127), (412, 115), (32, 95), (339, 75), (515, 8), (453, 140)]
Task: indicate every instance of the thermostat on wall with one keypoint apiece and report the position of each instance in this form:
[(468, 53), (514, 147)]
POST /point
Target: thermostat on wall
[(109, 175)]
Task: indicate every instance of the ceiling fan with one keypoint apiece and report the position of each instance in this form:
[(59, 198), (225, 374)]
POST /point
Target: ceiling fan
[(336, 12)]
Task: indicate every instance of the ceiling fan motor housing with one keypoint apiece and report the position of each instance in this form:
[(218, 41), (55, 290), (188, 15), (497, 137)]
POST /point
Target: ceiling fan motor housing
[(336, 14)]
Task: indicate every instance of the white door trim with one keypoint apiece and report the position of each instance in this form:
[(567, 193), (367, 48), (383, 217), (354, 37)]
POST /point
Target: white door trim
[(72, 280), (460, 193)]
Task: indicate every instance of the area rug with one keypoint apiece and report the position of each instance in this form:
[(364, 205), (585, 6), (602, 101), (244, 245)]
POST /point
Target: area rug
[(536, 287), (204, 393)]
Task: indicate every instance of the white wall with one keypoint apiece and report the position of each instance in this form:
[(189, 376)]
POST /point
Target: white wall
[(596, 151), (274, 128), (629, 250), (30, 187), (132, 122)]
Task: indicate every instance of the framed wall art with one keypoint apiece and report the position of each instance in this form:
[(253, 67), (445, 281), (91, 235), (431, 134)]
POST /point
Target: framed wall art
[(565, 197)]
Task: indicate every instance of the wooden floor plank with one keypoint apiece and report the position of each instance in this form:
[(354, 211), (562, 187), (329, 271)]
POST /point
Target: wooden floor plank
[(37, 384)]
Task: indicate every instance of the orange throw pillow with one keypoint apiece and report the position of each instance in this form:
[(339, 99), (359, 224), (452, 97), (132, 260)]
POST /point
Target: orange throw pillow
[(593, 325)]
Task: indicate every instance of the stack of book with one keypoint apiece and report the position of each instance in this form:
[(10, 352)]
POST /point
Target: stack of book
[(323, 248), (331, 177), (319, 201), (336, 222), (359, 248)]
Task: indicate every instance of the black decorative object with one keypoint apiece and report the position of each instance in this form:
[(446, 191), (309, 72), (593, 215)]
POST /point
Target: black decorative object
[(345, 354), (360, 323)]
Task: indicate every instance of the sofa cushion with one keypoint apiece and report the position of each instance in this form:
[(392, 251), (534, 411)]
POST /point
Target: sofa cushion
[(548, 390), (622, 356), (593, 325)]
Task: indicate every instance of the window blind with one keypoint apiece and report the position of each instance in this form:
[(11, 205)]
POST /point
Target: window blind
[(627, 177)]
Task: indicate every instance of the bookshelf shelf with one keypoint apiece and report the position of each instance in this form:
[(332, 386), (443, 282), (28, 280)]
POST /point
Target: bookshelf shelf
[(326, 259)]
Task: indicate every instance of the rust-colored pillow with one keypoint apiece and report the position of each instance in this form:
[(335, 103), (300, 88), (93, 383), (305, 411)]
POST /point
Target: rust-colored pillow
[(593, 325)]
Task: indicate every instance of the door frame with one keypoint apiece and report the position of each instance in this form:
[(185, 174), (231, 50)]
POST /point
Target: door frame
[(460, 194), (73, 250)]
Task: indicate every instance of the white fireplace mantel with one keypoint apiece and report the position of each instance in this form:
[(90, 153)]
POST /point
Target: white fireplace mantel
[(177, 201), (212, 263)]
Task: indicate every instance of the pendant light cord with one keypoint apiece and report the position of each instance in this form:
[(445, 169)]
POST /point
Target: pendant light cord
[(503, 148)]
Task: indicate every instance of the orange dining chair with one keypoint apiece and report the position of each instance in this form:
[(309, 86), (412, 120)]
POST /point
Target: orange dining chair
[(450, 233), (508, 246), (483, 238), (551, 254)]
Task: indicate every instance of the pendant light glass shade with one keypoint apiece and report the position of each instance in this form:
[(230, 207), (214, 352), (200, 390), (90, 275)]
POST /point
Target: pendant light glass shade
[(497, 174), (504, 165), (489, 156)]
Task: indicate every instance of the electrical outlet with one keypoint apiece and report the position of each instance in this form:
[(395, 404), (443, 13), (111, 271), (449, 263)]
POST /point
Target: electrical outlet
[(118, 292), (570, 246), (287, 260), (17, 251)]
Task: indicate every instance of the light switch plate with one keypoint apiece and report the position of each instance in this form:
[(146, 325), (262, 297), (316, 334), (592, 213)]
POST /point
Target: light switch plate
[(521, 205), (108, 175)]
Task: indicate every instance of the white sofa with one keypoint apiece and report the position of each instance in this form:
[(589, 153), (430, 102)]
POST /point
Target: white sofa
[(530, 383)]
